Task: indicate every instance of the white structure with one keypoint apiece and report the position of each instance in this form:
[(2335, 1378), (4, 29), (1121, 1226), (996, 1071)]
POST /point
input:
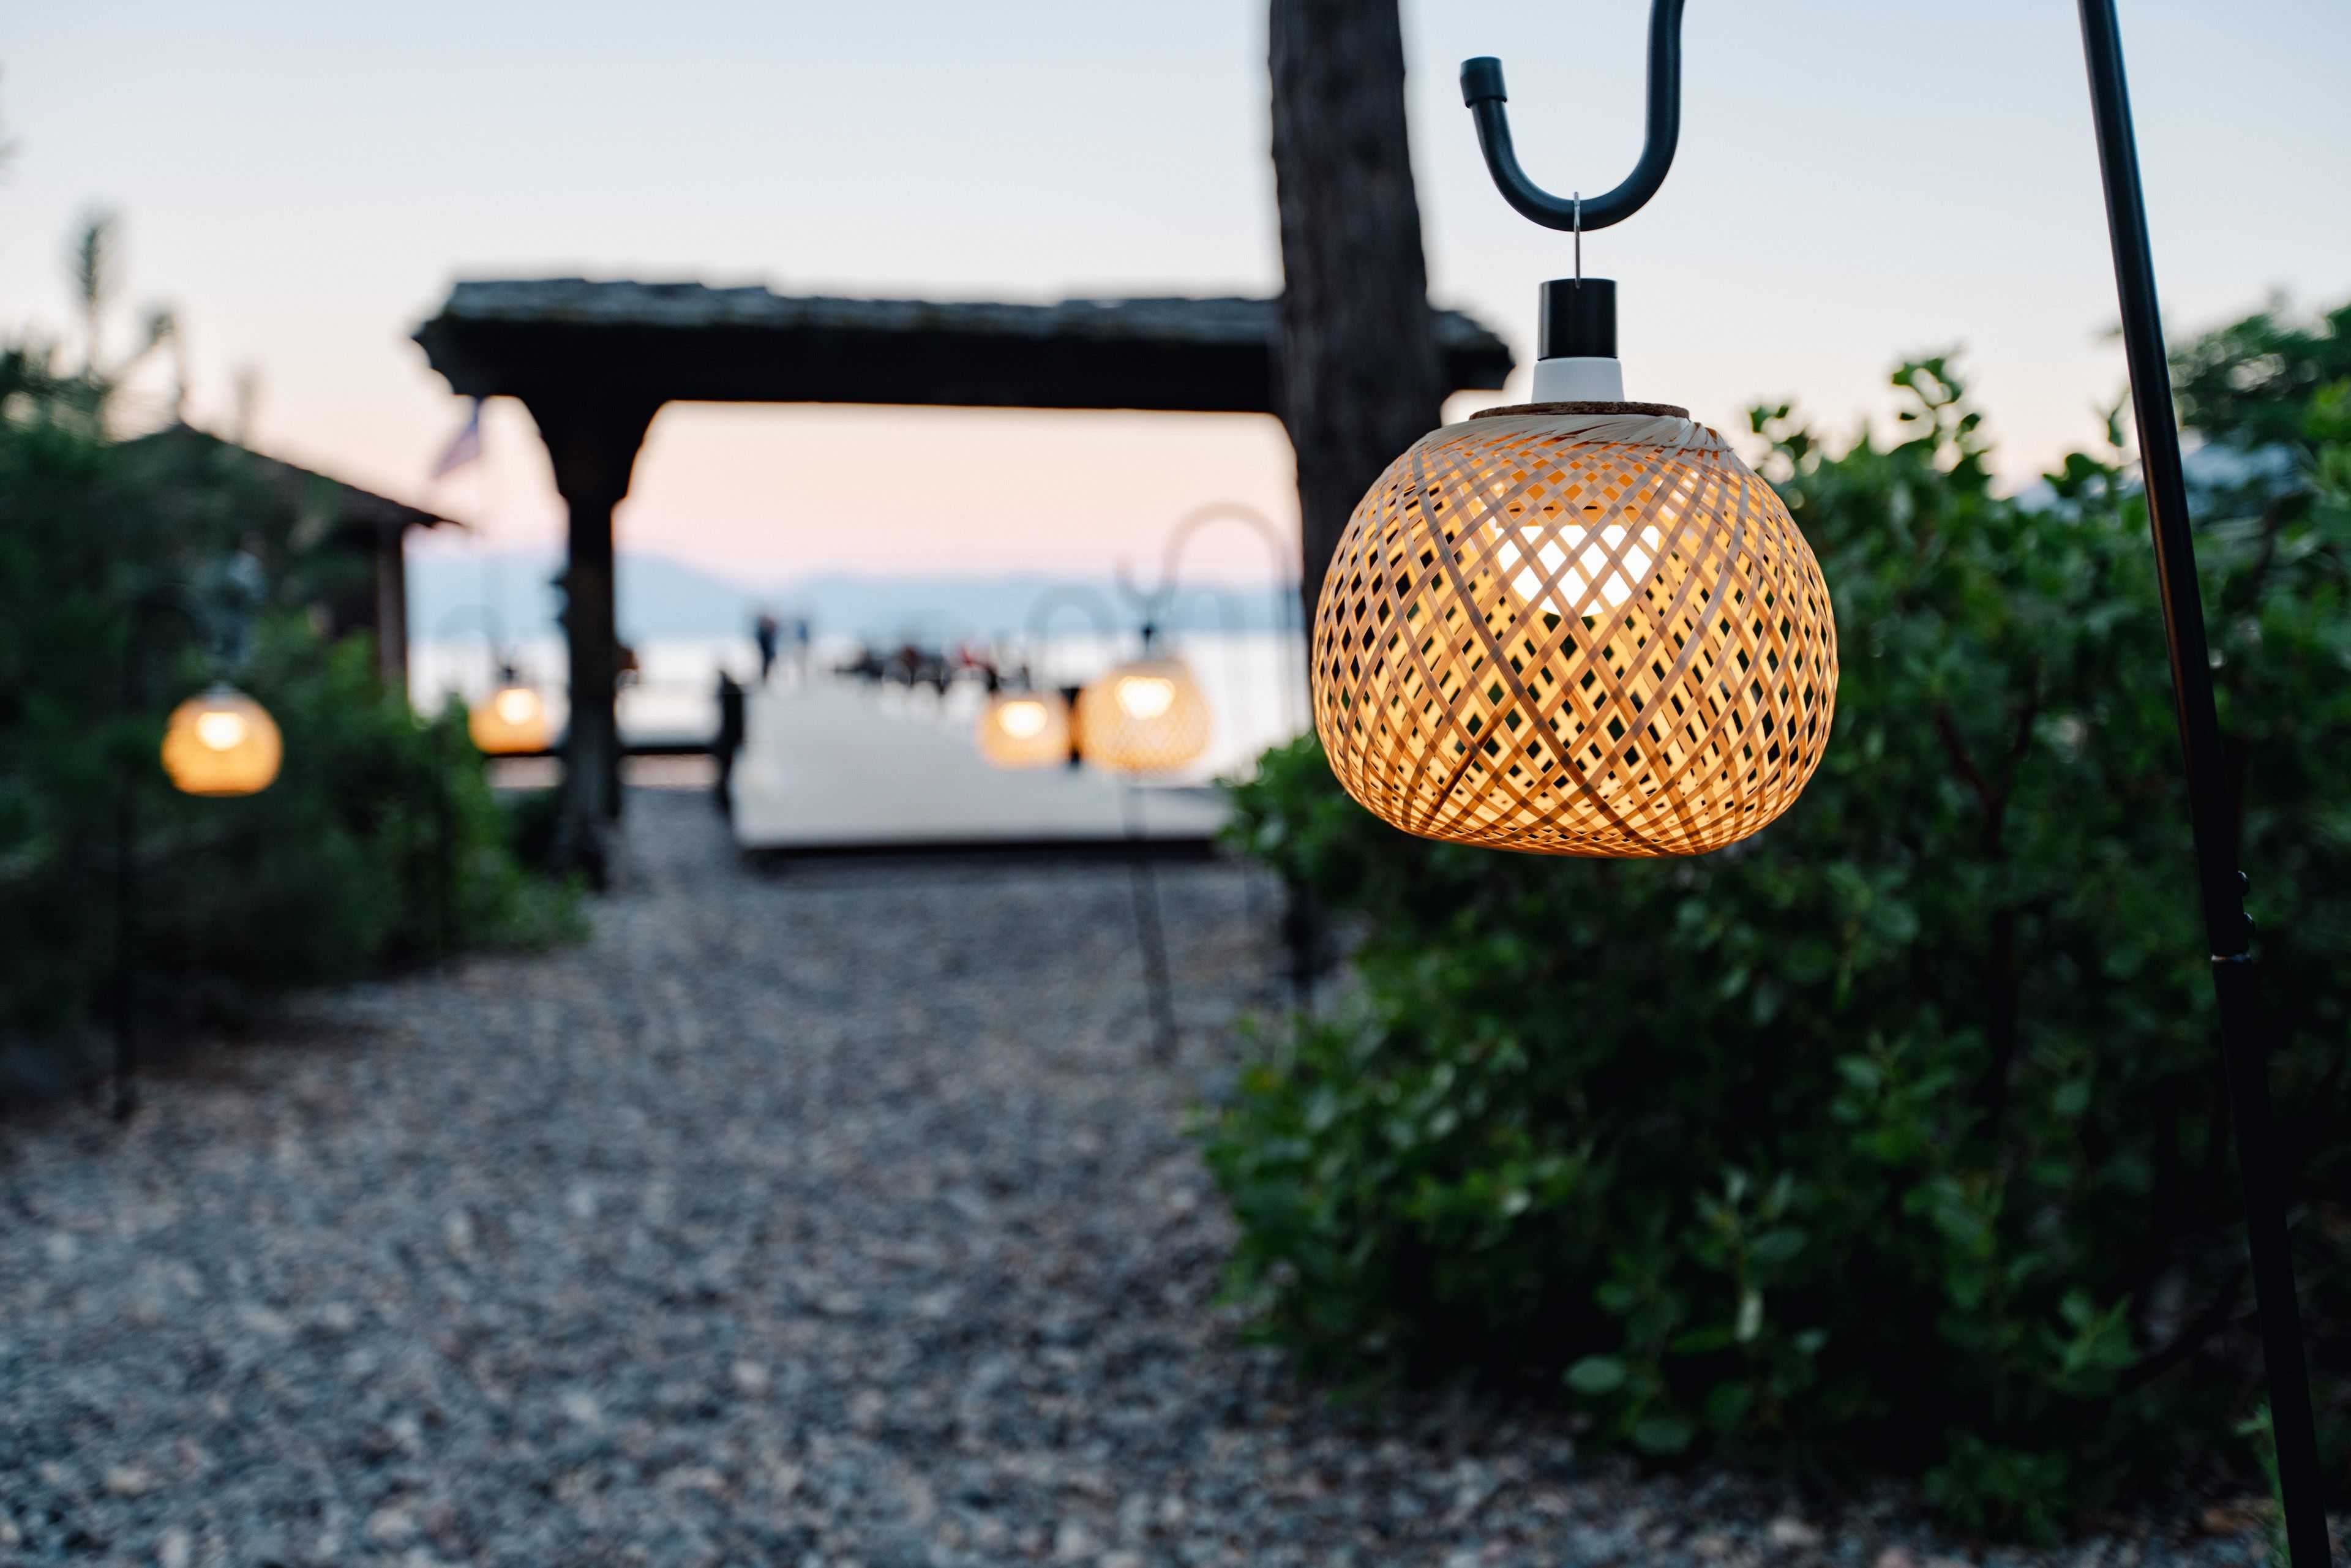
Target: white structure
[(829, 766)]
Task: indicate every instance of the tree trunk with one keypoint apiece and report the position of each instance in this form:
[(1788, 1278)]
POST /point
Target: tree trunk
[(1358, 373)]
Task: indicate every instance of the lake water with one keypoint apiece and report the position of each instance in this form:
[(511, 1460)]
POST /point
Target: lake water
[(1254, 682)]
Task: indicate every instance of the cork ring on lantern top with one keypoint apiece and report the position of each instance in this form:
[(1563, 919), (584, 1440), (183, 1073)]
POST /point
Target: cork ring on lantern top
[(1575, 629)]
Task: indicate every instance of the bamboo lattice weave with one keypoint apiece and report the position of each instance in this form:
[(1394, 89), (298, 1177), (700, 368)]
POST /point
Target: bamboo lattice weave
[(1574, 633)]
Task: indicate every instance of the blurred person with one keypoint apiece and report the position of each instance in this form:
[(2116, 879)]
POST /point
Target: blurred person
[(763, 632), (729, 739)]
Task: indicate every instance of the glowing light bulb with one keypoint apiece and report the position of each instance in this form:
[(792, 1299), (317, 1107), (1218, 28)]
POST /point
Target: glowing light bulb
[(1548, 577), (1146, 696), (517, 704), (221, 731), (1021, 720)]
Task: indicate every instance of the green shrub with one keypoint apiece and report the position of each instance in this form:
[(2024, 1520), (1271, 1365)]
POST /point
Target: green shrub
[(1894, 1136), (335, 871)]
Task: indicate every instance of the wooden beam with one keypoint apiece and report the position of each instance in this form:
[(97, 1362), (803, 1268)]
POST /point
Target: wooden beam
[(670, 341)]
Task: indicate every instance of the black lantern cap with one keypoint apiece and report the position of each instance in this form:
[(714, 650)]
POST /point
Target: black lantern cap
[(1579, 320)]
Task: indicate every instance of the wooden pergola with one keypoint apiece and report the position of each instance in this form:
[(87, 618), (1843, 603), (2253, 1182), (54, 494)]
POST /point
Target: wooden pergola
[(594, 361)]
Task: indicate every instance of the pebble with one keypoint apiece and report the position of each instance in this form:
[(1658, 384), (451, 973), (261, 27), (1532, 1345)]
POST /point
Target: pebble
[(831, 1216), (129, 1480), (390, 1526), (1787, 1530)]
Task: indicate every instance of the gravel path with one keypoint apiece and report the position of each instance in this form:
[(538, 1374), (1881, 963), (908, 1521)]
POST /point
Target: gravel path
[(826, 1218)]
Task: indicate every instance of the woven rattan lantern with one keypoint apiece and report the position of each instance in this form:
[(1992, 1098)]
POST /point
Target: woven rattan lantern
[(1575, 629), (512, 723), (1024, 729), (1146, 715), (221, 742)]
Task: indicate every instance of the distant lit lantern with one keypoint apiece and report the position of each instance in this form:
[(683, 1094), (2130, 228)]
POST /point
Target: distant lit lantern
[(513, 721), (1024, 729), (1144, 717), (221, 742), (1575, 629)]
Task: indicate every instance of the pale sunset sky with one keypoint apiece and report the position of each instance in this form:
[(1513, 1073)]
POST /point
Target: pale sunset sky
[(302, 181)]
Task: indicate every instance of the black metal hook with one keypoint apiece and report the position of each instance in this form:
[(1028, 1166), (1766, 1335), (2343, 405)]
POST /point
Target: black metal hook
[(1481, 89)]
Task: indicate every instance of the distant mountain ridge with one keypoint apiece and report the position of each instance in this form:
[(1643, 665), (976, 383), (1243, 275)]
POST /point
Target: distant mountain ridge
[(659, 597)]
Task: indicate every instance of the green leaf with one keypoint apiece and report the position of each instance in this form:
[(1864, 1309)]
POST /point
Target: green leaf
[(1750, 1316), (1861, 1072), (1663, 1435), (1777, 1246), (1727, 1404), (1596, 1374)]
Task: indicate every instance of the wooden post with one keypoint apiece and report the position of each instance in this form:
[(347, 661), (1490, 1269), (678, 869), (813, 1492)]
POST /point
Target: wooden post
[(1358, 378), (593, 444), (392, 606)]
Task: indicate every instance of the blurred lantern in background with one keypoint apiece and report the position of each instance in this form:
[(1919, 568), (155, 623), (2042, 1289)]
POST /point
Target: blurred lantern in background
[(1024, 729), (1146, 715), (512, 722), (221, 742), (1575, 629)]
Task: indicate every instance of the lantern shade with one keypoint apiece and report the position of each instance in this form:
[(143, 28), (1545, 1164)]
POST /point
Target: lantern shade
[(1575, 629), (1024, 729), (1146, 715), (513, 721), (221, 742)]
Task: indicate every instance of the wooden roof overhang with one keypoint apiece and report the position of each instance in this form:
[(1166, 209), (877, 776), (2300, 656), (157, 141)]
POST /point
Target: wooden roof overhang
[(556, 339)]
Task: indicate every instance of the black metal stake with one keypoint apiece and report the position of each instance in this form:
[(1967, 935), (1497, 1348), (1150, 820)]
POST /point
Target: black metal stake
[(445, 870), (1301, 933), (1077, 758), (1148, 927), (126, 947), (166, 598), (1289, 606), (2211, 803)]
